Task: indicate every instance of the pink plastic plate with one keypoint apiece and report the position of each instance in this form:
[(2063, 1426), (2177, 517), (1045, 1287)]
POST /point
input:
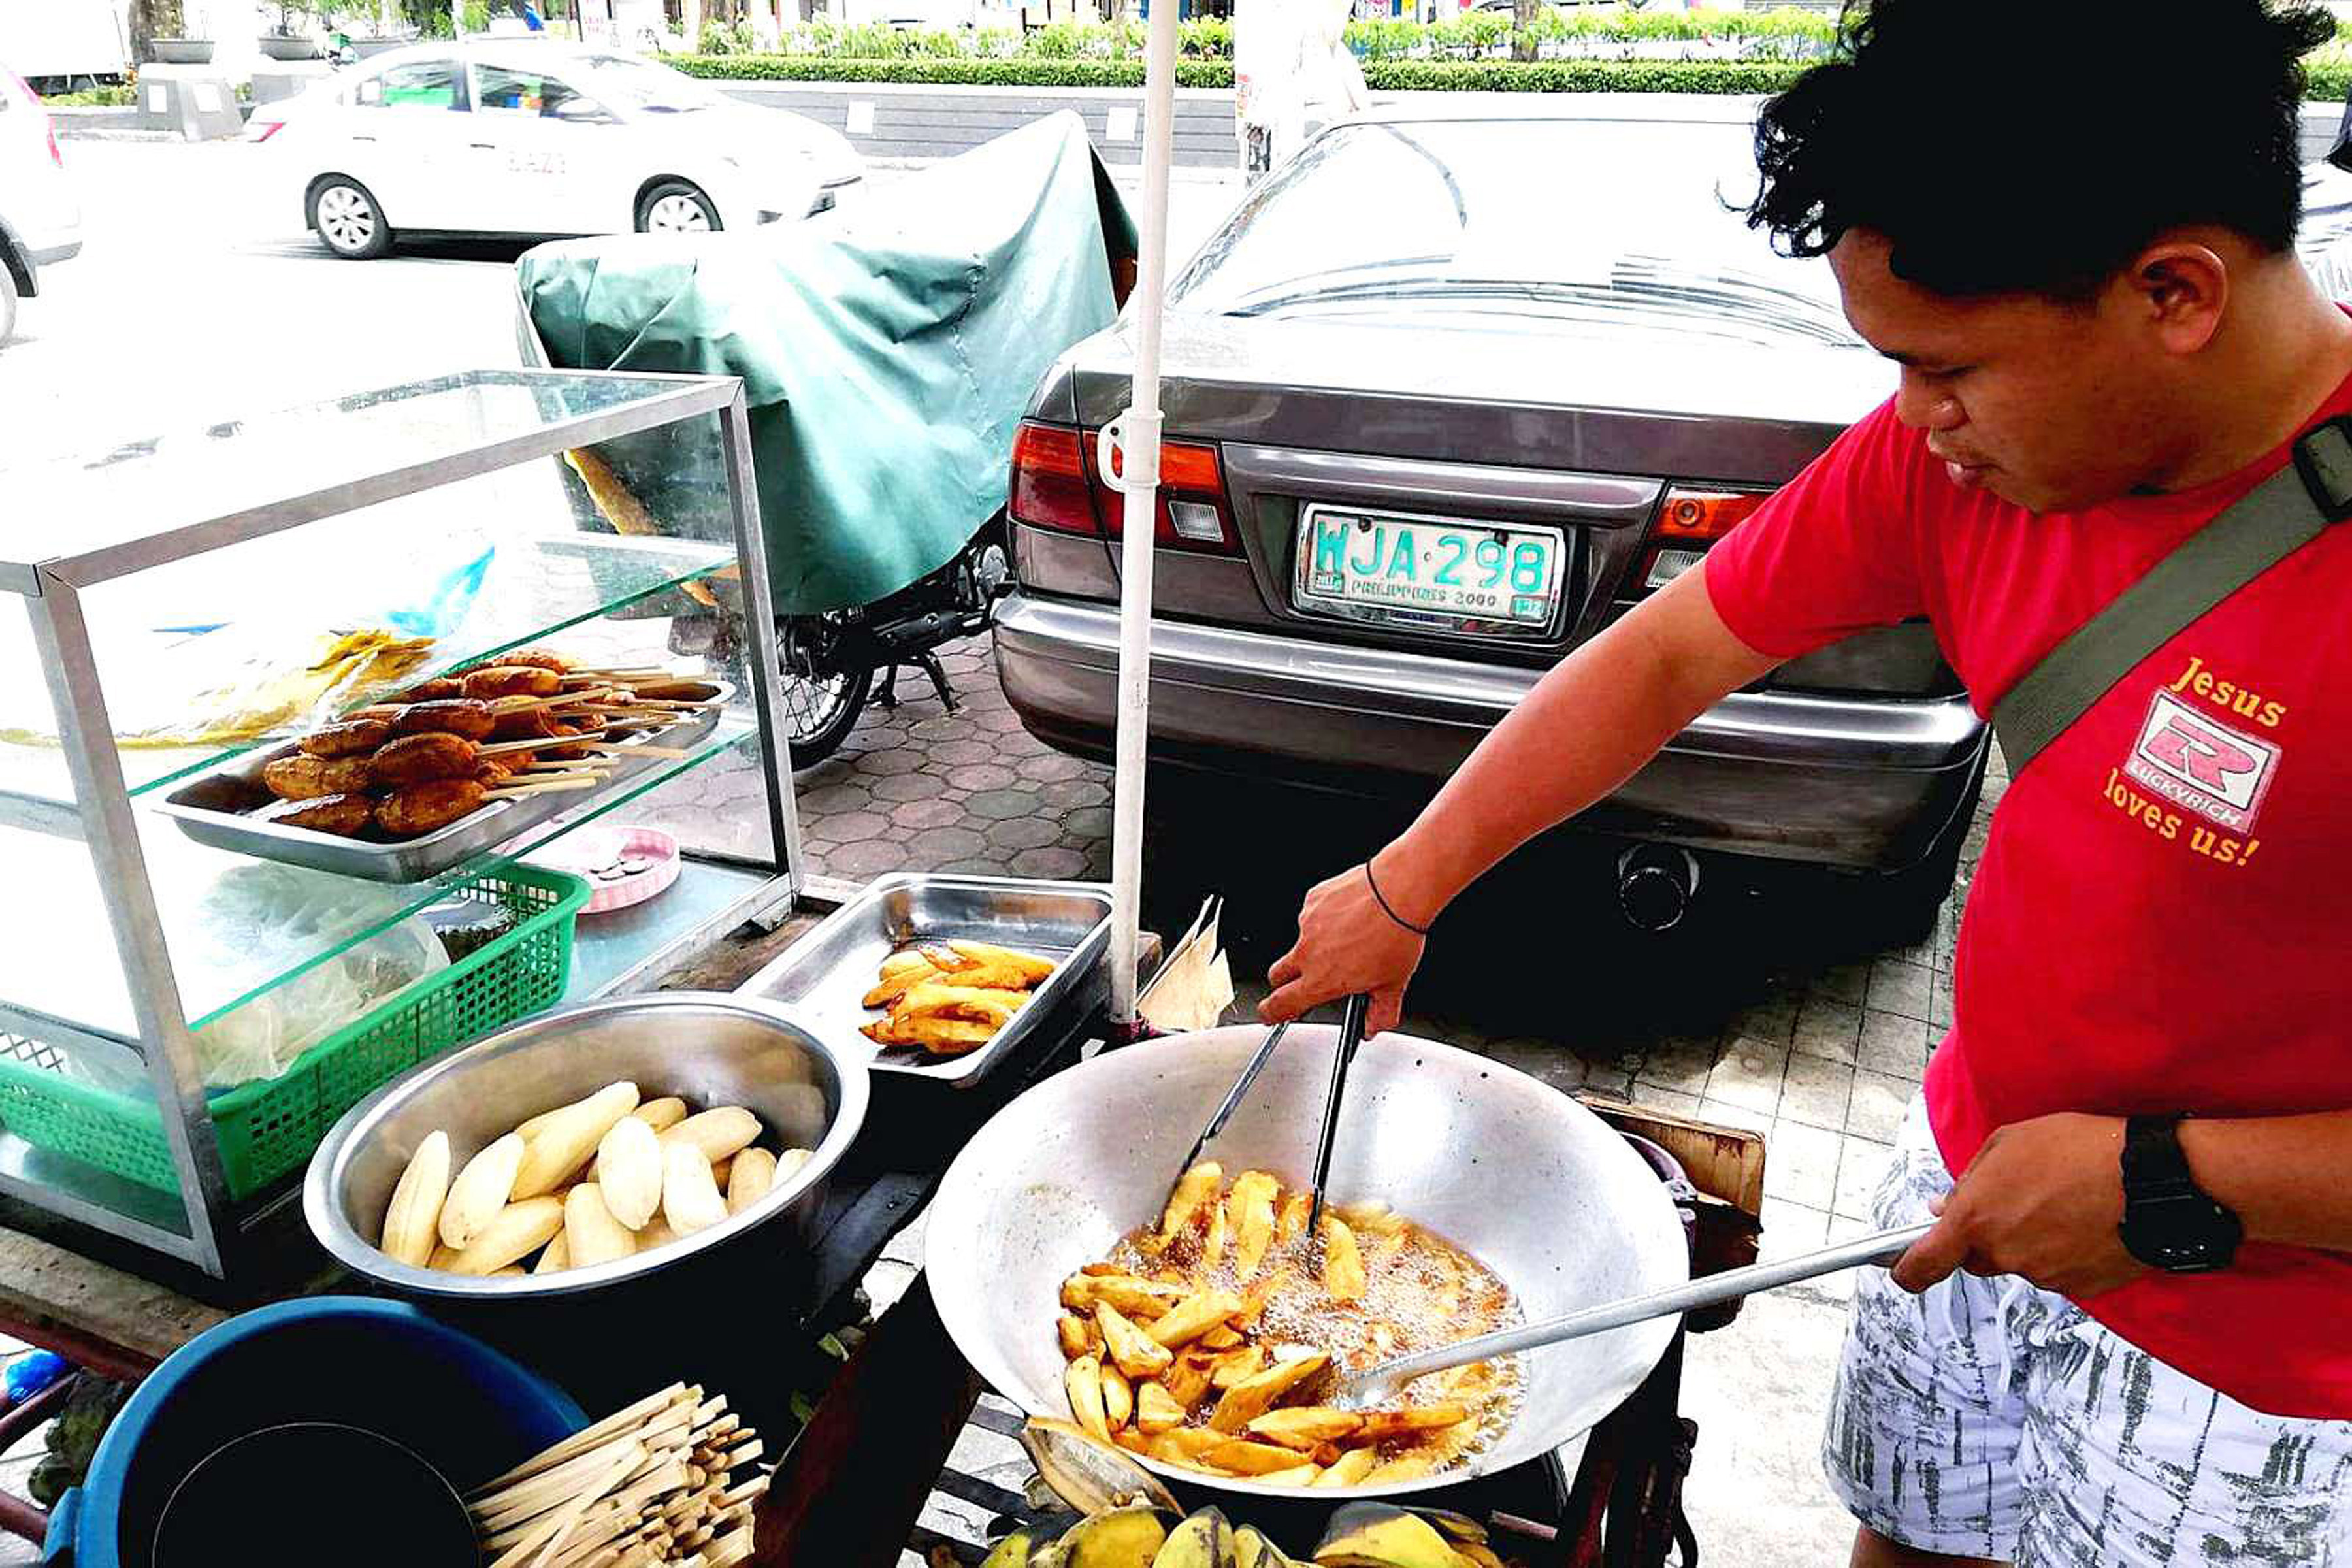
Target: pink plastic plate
[(625, 866)]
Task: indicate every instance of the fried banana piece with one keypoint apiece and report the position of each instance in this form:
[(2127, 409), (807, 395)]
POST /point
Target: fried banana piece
[(344, 816), (913, 969), (941, 999), (1252, 1396), (1033, 968), (1194, 1316), (1195, 1190), (302, 776), (1250, 1216), (448, 716), (416, 809), (1343, 1265), (1349, 1468), (347, 738), (1133, 1351), (940, 1036), (1380, 1425), (1306, 1426), (1244, 1457)]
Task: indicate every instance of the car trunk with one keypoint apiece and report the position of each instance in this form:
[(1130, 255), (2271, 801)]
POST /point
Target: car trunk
[(1599, 440)]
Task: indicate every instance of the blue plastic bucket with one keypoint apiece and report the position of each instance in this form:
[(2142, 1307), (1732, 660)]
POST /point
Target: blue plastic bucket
[(468, 1410)]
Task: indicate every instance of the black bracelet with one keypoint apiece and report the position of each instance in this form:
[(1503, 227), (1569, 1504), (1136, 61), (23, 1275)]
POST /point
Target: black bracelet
[(1386, 908)]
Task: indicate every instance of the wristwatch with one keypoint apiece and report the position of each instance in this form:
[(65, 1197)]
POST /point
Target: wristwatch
[(2169, 1221)]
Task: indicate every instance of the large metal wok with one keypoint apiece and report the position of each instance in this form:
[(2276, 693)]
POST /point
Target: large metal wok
[(1526, 1180)]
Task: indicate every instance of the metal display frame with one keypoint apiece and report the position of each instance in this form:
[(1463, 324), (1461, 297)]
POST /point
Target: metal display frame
[(102, 814)]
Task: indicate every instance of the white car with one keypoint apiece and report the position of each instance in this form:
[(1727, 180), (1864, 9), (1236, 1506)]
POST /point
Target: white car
[(40, 220), (534, 136)]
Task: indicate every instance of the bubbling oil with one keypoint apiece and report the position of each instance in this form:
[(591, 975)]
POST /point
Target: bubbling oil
[(1420, 1292)]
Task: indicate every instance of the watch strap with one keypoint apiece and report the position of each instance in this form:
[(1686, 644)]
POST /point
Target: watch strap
[(2152, 1158)]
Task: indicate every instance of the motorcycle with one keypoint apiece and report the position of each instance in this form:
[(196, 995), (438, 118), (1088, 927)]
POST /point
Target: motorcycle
[(830, 661)]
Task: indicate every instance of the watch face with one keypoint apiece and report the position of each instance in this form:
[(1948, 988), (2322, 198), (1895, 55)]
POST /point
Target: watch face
[(2187, 1234)]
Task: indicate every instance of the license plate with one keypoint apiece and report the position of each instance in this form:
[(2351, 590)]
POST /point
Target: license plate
[(1491, 579)]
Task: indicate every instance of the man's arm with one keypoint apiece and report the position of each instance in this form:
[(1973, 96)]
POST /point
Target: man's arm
[(2044, 1198), (1585, 728), (1588, 725)]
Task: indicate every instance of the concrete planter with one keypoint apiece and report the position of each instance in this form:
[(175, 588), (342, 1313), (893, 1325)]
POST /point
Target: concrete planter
[(278, 47), (183, 51)]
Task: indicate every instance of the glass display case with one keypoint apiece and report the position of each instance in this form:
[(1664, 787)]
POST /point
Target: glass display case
[(181, 612)]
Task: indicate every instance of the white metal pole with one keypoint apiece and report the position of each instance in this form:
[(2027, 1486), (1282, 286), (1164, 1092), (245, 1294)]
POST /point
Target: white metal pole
[(1137, 433)]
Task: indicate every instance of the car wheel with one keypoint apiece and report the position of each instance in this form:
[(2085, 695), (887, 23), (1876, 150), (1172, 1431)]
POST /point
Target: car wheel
[(7, 304), (675, 208), (347, 220)]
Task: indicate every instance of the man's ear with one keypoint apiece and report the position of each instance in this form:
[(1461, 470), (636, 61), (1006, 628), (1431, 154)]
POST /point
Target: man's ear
[(2178, 289)]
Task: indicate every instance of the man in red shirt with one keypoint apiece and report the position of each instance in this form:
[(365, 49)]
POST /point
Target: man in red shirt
[(2128, 1336)]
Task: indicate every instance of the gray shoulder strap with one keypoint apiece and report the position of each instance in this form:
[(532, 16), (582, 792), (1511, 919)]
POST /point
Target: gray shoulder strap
[(2267, 525)]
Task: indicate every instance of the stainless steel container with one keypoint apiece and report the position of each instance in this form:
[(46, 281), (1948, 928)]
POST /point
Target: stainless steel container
[(211, 809), (822, 979), (697, 1309)]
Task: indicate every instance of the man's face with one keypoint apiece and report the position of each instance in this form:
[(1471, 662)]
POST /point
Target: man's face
[(2048, 405)]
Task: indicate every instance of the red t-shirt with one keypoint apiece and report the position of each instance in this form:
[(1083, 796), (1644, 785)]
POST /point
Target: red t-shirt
[(2161, 917)]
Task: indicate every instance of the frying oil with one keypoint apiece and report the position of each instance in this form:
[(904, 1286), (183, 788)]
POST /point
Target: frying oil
[(1420, 1292)]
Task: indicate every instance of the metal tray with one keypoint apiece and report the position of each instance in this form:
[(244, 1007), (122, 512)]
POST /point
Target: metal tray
[(823, 978), (210, 809)]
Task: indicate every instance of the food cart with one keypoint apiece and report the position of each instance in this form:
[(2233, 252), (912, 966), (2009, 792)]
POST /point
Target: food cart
[(148, 1201)]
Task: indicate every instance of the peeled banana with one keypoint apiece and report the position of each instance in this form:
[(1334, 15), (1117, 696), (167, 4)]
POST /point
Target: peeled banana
[(413, 1221)]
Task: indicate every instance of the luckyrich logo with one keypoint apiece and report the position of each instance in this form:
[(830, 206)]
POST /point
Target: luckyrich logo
[(2200, 765)]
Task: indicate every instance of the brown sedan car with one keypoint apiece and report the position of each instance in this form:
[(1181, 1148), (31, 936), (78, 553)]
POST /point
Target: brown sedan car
[(1445, 396)]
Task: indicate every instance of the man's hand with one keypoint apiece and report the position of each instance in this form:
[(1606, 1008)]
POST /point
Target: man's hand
[(2042, 1199), (1347, 944)]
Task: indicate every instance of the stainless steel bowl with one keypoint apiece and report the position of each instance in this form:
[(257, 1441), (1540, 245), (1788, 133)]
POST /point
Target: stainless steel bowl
[(710, 1049)]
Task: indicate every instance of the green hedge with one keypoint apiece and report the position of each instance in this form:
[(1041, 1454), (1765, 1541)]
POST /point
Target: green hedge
[(1579, 76), (1381, 76), (938, 72)]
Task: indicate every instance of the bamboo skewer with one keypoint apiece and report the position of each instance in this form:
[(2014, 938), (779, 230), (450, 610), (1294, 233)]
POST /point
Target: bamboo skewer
[(652, 1484), (547, 786), (592, 1436)]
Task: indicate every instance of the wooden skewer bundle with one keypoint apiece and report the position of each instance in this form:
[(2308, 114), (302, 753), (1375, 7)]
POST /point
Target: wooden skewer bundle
[(652, 1484)]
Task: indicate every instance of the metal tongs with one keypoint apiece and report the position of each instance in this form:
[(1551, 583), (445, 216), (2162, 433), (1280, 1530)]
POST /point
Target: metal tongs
[(1351, 1035)]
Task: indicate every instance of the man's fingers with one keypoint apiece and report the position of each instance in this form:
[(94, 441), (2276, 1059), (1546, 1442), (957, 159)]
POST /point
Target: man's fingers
[(1387, 1011), (1288, 1003), (1286, 969), (1932, 1256)]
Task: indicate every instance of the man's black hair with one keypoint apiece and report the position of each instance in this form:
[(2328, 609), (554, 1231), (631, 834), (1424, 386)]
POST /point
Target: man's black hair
[(2036, 146)]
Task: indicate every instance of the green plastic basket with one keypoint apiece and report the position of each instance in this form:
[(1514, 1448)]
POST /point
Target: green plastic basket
[(270, 1127)]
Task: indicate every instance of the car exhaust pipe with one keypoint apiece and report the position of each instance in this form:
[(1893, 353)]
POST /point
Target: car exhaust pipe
[(1655, 883)]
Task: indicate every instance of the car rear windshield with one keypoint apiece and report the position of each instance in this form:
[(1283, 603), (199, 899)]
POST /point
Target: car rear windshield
[(1564, 218)]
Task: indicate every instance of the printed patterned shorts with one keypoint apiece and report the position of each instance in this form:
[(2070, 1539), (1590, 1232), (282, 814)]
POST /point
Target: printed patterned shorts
[(1987, 1418)]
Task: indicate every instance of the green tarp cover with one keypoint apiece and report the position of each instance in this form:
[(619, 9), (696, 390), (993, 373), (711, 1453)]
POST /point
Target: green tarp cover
[(886, 350)]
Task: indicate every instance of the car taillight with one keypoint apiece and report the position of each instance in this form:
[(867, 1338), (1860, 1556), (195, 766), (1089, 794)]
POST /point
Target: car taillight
[(48, 126), (1194, 511), (1049, 480), (1691, 519)]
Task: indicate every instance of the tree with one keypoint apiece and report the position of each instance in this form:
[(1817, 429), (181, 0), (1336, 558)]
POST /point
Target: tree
[(1524, 17), (151, 20)]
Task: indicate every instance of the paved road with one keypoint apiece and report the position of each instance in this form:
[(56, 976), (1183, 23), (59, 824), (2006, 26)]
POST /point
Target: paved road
[(200, 294), (201, 297)]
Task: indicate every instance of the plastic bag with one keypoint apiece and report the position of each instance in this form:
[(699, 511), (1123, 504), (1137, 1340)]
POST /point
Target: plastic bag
[(262, 919)]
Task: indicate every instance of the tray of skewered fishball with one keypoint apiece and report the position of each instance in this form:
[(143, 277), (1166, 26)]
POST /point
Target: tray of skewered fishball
[(402, 790)]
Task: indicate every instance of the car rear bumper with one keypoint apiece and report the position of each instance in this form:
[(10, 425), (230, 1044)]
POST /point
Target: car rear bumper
[(1863, 784)]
